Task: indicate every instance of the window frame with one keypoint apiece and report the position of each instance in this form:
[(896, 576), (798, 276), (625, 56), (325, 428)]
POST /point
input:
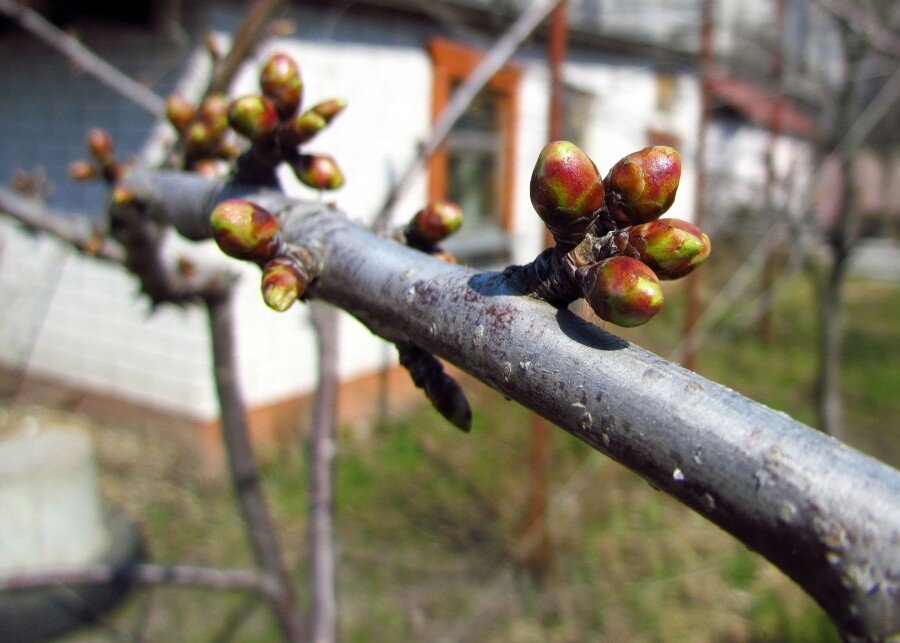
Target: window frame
[(451, 63)]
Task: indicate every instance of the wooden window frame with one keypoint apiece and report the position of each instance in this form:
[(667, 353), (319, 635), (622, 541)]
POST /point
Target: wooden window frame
[(452, 62)]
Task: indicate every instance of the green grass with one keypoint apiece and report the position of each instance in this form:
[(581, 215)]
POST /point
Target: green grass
[(429, 518)]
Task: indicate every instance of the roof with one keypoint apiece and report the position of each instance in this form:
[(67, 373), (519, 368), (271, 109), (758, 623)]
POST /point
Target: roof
[(762, 106)]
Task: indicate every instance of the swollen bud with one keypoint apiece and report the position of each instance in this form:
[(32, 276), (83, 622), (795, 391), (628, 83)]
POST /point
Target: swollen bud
[(642, 186), (283, 281), (622, 290), (244, 230), (179, 111), (566, 191), (435, 222), (253, 116), (100, 145), (82, 170), (214, 112), (280, 81), (301, 129), (670, 247), (318, 171), (329, 108)]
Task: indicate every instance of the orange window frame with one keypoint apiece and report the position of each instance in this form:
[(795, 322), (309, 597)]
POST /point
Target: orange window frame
[(452, 63)]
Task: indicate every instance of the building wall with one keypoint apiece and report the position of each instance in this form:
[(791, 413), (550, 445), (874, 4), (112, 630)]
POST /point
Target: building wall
[(74, 318)]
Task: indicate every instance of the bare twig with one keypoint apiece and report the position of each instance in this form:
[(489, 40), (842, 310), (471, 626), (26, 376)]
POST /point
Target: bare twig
[(143, 574), (498, 56), (87, 60), (244, 472), (73, 230), (248, 35), (323, 448), (866, 25)]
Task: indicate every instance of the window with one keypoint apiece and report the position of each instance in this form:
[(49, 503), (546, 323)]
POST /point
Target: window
[(475, 165)]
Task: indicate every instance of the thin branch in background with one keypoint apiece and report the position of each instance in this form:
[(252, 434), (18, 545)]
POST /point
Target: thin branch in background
[(83, 57), (495, 59), (72, 230), (142, 574), (244, 472), (322, 451), (865, 24), (252, 30)]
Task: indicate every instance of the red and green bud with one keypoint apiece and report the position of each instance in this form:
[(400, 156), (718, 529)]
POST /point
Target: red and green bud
[(301, 129), (622, 290), (283, 282), (253, 116), (100, 145), (199, 137), (280, 81), (180, 111), (121, 195), (329, 108), (214, 112), (642, 186), (435, 222), (245, 231), (670, 247), (82, 170), (566, 191), (318, 171)]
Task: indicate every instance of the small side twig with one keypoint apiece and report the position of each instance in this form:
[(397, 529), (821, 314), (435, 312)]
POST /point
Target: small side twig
[(444, 393)]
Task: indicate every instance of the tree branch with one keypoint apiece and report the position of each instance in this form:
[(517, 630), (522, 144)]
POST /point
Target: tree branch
[(143, 574), (827, 515), (87, 60), (865, 25), (73, 230), (498, 56)]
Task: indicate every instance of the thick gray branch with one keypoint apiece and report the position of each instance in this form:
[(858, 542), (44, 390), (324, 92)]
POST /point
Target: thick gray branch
[(827, 515)]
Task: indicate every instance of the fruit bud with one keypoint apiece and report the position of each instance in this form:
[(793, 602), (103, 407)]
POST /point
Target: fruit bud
[(214, 112), (622, 290), (318, 171), (435, 222), (280, 81), (283, 282), (100, 144), (199, 137), (179, 111), (245, 231), (329, 108), (82, 170), (670, 247), (566, 191), (301, 129), (642, 186), (121, 195), (253, 116)]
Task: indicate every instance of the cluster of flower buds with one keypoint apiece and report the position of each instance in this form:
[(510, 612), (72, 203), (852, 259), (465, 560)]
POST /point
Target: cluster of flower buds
[(103, 163), (611, 228), (202, 132), (276, 128), (246, 231)]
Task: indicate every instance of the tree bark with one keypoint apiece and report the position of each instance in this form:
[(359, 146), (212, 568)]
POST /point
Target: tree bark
[(244, 472)]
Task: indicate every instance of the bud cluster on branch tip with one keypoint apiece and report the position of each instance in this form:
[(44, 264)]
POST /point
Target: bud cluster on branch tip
[(435, 222), (621, 290), (318, 171), (280, 82), (100, 146), (245, 231), (284, 280), (202, 131), (670, 247), (566, 191), (642, 186)]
